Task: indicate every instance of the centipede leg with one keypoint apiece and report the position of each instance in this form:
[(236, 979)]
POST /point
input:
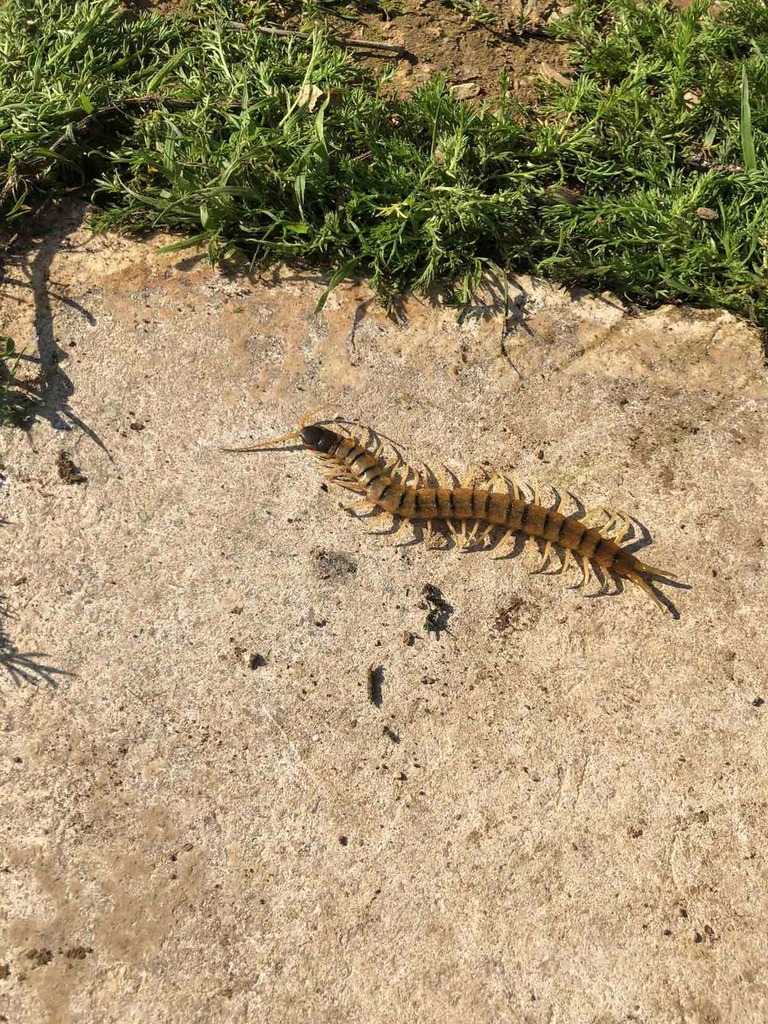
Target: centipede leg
[(454, 533), (411, 470), (338, 476), (506, 536), (531, 545), (511, 483), (640, 582), (369, 442), (355, 487), (381, 515), (625, 525), (400, 527), (446, 479), (510, 486), (365, 503), (606, 528), (472, 535), (469, 481), (431, 536), (653, 570), (587, 570), (597, 511), (484, 534), (602, 578), (546, 555)]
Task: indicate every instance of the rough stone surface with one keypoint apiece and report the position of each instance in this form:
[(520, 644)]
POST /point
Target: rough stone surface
[(240, 779)]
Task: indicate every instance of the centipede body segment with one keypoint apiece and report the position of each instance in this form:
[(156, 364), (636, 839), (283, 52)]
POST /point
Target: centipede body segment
[(410, 497)]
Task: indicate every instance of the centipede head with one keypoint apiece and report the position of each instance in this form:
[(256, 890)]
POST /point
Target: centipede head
[(319, 438), (311, 435)]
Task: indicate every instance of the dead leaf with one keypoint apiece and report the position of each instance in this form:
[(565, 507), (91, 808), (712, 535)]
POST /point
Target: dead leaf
[(546, 71), (309, 96), (466, 90)]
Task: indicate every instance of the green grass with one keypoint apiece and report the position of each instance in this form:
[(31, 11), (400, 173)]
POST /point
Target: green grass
[(12, 400), (204, 129)]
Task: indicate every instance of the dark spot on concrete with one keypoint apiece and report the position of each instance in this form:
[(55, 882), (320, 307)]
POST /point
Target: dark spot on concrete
[(332, 563), (344, 840), (257, 661), (758, 702), (68, 471), (376, 685), (438, 609), (78, 952), (391, 734), (517, 615), (39, 957)]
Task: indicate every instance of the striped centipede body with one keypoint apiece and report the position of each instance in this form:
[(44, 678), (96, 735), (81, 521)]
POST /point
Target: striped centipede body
[(353, 466)]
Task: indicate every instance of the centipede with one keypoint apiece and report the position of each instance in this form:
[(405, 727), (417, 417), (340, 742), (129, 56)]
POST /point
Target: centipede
[(470, 510)]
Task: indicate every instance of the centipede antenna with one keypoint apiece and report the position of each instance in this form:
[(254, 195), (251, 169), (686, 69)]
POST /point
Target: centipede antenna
[(309, 416), (262, 445)]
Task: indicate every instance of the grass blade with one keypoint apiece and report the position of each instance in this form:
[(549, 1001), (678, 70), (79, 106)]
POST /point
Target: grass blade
[(747, 139)]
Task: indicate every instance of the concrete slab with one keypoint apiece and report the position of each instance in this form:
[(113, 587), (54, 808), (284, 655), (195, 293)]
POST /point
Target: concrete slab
[(214, 811)]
